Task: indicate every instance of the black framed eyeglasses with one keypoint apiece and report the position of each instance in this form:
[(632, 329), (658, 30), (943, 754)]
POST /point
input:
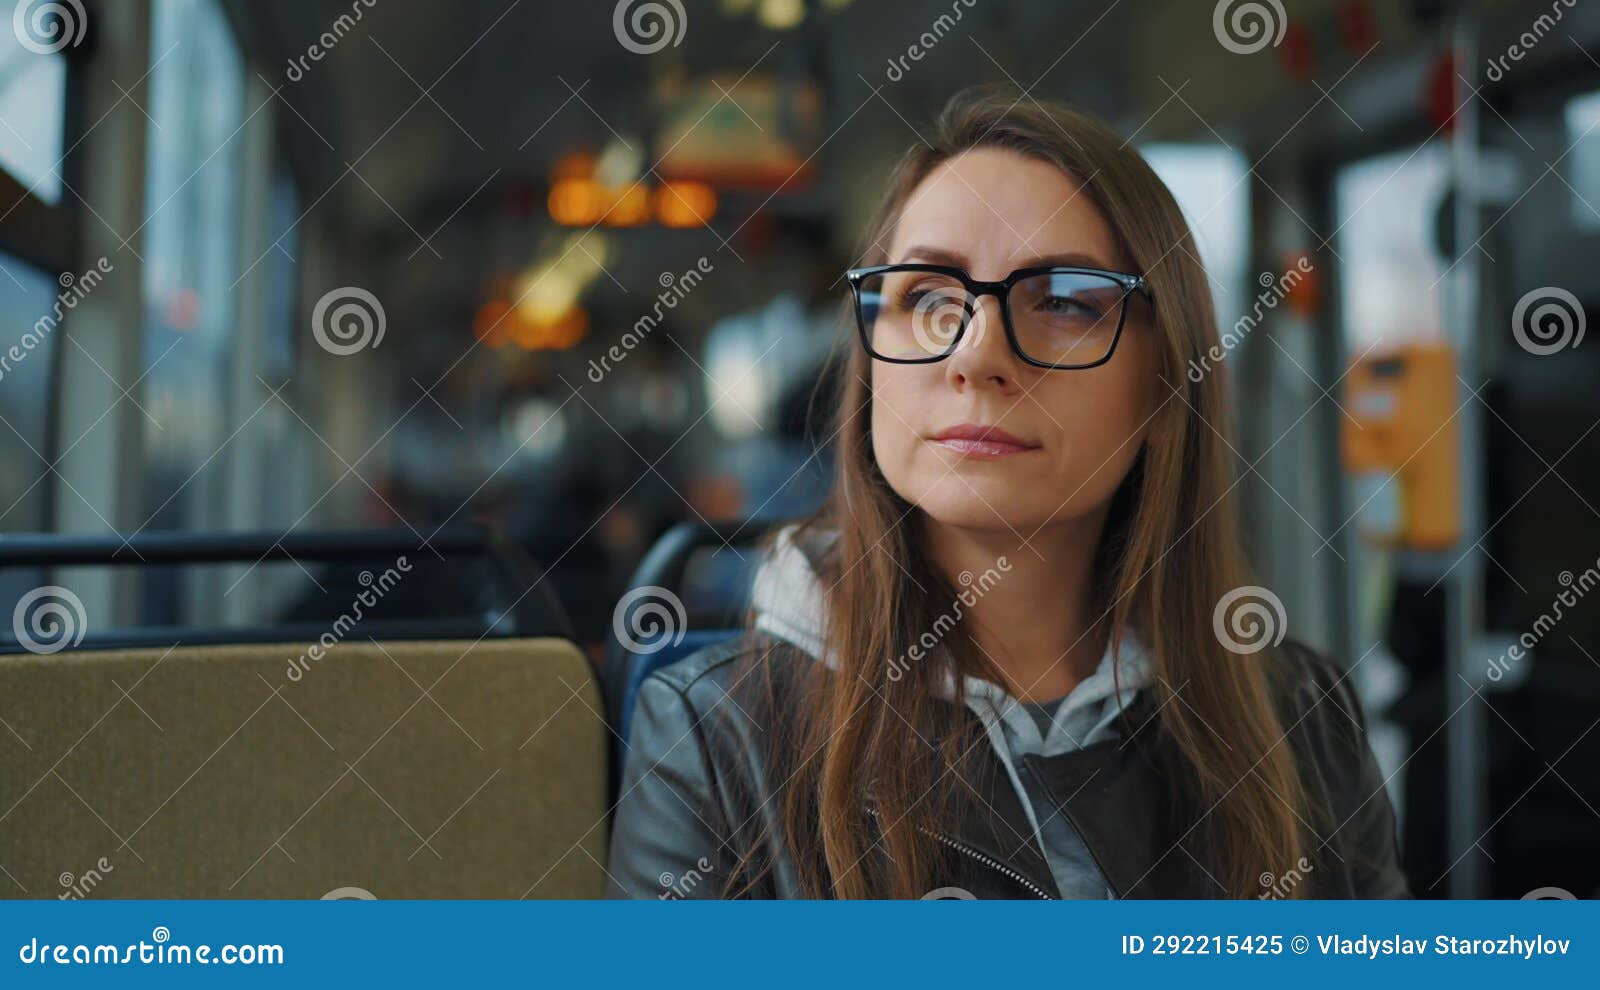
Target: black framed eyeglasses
[(1059, 318)]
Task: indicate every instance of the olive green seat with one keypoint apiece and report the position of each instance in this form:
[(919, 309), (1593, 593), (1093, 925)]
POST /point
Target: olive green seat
[(401, 770)]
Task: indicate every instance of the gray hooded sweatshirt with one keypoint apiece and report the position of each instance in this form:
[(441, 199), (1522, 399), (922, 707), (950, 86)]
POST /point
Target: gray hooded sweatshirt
[(789, 602)]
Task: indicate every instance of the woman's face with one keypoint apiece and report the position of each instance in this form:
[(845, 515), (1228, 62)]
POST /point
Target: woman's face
[(991, 212)]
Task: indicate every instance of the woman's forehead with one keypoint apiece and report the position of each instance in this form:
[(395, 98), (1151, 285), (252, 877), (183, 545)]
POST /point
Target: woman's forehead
[(1001, 210)]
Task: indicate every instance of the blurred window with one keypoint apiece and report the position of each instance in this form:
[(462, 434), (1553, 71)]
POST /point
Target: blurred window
[(283, 286), (191, 232), (28, 297), (1582, 164), (1209, 183), (33, 100), (1385, 209)]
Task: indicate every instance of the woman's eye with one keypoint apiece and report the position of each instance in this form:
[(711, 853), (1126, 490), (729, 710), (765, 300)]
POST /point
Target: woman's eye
[(912, 295), (1068, 306)]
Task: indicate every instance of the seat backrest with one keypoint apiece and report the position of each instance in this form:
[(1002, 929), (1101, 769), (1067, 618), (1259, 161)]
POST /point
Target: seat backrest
[(445, 769), (658, 591), (646, 660)]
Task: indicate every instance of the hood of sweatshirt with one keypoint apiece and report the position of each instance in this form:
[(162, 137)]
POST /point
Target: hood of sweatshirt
[(789, 601)]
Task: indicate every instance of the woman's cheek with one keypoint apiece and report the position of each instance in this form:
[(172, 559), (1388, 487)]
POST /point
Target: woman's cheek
[(894, 442)]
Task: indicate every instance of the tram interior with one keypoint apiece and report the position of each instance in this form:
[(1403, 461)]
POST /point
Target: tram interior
[(363, 362)]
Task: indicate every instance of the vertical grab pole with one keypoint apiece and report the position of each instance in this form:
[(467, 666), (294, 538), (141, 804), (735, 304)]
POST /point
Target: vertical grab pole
[(1465, 746)]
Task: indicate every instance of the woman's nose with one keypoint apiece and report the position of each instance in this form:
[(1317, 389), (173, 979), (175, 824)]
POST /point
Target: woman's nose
[(983, 356)]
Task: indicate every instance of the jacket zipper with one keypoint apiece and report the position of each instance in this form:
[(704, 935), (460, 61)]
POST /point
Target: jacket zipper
[(983, 858)]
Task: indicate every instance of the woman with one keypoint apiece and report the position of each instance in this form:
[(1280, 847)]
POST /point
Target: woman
[(999, 663)]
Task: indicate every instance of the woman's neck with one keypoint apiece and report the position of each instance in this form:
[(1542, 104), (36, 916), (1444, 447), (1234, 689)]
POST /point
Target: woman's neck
[(1031, 613)]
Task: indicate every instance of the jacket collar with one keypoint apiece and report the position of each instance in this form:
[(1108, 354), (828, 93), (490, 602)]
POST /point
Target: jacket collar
[(1117, 795)]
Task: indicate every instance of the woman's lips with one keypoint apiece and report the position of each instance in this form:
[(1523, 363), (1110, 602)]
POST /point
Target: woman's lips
[(984, 441), (987, 449)]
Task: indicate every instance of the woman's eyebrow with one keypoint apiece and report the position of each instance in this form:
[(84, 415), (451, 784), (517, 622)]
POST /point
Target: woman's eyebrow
[(933, 255), (955, 259), (1066, 259)]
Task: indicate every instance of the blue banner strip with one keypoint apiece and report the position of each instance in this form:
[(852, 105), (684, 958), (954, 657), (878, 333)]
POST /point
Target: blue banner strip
[(819, 945)]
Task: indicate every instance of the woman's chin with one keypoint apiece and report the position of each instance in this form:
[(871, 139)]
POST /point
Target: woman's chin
[(980, 511)]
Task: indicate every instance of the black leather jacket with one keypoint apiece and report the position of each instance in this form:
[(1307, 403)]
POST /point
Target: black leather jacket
[(697, 796)]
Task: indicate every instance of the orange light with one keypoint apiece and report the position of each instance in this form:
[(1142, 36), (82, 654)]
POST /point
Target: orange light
[(570, 330), (685, 204), (1305, 293), (576, 202), (493, 323), (563, 333), (629, 206), (574, 165)]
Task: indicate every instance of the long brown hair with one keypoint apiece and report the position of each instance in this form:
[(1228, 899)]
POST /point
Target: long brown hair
[(869, 763)]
